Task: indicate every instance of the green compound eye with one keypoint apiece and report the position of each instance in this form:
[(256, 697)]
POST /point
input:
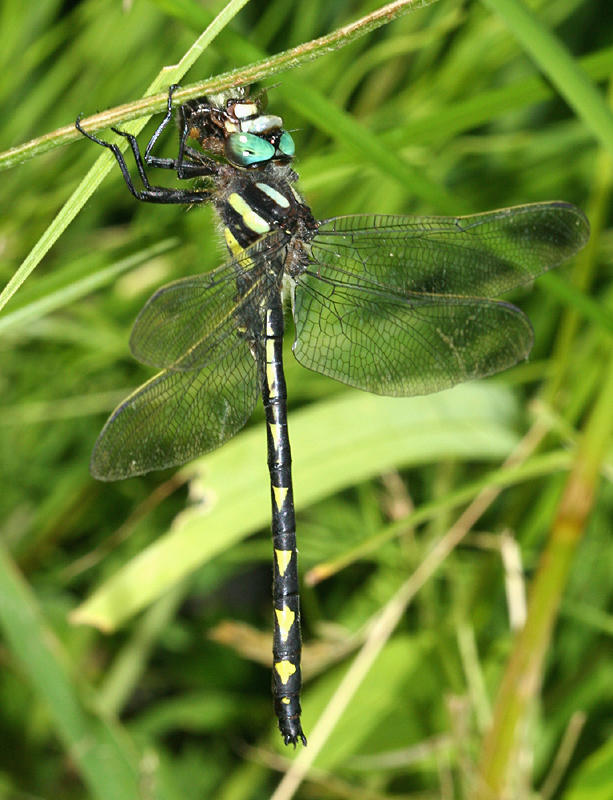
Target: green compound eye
[(286, 145), (246, 149)]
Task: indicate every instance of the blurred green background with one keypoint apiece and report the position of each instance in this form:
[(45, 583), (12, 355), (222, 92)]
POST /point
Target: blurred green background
[(174, 701)]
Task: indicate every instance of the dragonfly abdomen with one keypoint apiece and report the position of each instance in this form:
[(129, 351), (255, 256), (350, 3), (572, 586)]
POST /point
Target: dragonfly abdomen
[(286, 675)]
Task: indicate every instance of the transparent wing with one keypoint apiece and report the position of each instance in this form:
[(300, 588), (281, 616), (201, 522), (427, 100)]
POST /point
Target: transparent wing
[(482, 255), (391, 345), (178, 415), (185, 323), (204, 330), (398, 305)]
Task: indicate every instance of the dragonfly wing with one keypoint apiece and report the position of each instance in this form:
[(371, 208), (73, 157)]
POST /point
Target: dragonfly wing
[(481, 255), (186, 323), (399, 346), (178, 415)]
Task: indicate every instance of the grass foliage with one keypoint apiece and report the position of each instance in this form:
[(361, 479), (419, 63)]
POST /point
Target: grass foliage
[(419, 540)]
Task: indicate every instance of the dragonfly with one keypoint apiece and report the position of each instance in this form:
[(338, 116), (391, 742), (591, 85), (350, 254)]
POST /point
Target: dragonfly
[(395, 305)]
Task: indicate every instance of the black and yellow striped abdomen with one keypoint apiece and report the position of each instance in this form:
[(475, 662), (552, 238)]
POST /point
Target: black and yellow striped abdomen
[(286, 675)]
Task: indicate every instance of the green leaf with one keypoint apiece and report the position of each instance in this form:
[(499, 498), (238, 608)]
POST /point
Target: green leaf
[(593, 780), (102, 752)]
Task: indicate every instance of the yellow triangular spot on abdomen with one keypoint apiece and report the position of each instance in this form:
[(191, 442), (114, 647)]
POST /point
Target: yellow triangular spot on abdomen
[(280, 493), (285, 669), (274, 432), (283, 559), (285, 619)]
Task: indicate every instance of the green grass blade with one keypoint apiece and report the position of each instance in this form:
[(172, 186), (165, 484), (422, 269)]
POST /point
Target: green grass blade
[(103, 754), (77, 289), (586, 306), (559, 66), (535, 467)]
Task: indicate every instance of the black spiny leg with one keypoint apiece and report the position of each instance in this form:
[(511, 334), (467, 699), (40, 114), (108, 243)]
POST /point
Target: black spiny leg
[(154, 161), (198, 167), (155, 194)]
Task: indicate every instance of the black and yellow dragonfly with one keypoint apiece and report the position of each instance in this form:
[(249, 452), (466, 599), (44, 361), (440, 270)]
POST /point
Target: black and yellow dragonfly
[(396, 305)]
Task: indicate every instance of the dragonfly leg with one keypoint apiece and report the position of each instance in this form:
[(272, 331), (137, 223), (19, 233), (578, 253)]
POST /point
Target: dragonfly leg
[(153, 161), (197, 166), (149, 194)]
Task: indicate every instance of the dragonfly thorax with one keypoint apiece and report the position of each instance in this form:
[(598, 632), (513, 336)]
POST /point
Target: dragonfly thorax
[(254, 204)]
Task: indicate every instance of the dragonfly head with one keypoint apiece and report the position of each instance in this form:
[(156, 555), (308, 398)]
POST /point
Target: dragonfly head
[(253, 138), (236, 128), (257, 149)]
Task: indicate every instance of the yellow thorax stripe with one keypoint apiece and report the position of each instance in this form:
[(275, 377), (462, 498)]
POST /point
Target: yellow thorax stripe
[(252, 220), (233, 246)]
